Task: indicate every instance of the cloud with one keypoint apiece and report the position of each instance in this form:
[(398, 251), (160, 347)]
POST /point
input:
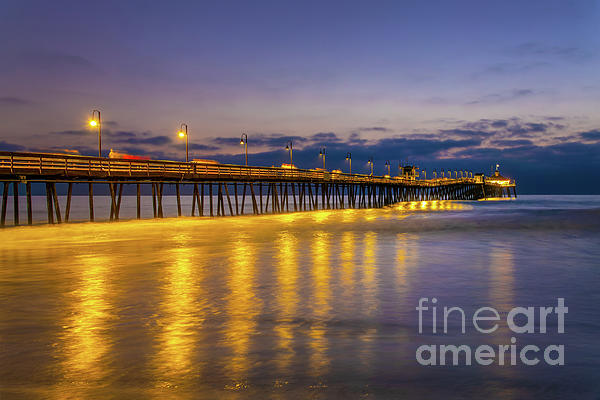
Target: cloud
[(4, 146), (373, 129), (590, 135), (72, 132), (153, 140), (503, 97), (14, 101), (325, 138), (527, 128), (120, 134), (470, 133), (276, 140), (514, 128), (511, 143), (199, 146), (568, 53), (45, 59), (509, 68), (356, 140)]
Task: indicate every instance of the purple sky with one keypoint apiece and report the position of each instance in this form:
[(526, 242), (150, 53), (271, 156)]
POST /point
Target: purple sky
[(461, 84)]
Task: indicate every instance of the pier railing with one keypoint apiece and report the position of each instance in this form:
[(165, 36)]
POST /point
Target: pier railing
[(307, 189), (75, 166)]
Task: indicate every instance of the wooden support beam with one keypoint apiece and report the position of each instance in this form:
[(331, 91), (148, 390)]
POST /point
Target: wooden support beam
[(228, 200), (178, 199), (48, 204), (268, 196), (68, 207), (91, 200), (29, 208), (254, 203), (16, 203), (138, 202), (235, 194), (118, 209), (159, 192), (4, 201), (200, 196), (210, 198), (222, 203), (56, 204), (243, 199), (260, 196), (219, 198), (113, 201), (154, 210), (275, 205), (194, 198)]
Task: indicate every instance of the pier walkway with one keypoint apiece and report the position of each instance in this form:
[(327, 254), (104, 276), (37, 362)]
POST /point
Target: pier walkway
[(271, 189)]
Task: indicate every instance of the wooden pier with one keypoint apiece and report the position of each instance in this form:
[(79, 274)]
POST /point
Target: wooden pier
[(219, 186)]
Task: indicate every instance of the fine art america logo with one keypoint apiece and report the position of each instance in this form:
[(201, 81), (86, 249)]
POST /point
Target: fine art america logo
[(520, 320)]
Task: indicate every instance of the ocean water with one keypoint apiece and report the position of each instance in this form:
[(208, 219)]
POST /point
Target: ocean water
[(303, 305)]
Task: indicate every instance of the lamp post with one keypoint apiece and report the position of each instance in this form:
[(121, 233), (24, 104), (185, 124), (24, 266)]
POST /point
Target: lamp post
[(97, 122), (183, 132), (244, 141), (349, 158), (388, 165), (290, 147), (322, 154), (370, 162)]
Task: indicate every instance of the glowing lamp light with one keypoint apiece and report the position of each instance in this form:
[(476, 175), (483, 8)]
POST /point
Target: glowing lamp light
[(181, 134), (93, 122)]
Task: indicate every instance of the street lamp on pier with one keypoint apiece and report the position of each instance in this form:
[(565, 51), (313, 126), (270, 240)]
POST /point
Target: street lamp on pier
[(97, 122), (290, 147), (370, 162), (183, 133), (244, 141), (388, 165), (322, 155), (349, 159)]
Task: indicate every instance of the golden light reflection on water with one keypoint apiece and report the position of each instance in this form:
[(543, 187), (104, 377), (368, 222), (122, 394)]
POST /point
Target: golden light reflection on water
[(433, 205), (501, 279), (370, 214), (348, 244), (502, 299), (368, 269), (349, 215), (180, 319), (322, 215), (287, 279), (85, 332), (321, 306), (243, 307), (406, 257)]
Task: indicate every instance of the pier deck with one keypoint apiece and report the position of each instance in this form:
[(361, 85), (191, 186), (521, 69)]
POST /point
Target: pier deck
[(337, 190)]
